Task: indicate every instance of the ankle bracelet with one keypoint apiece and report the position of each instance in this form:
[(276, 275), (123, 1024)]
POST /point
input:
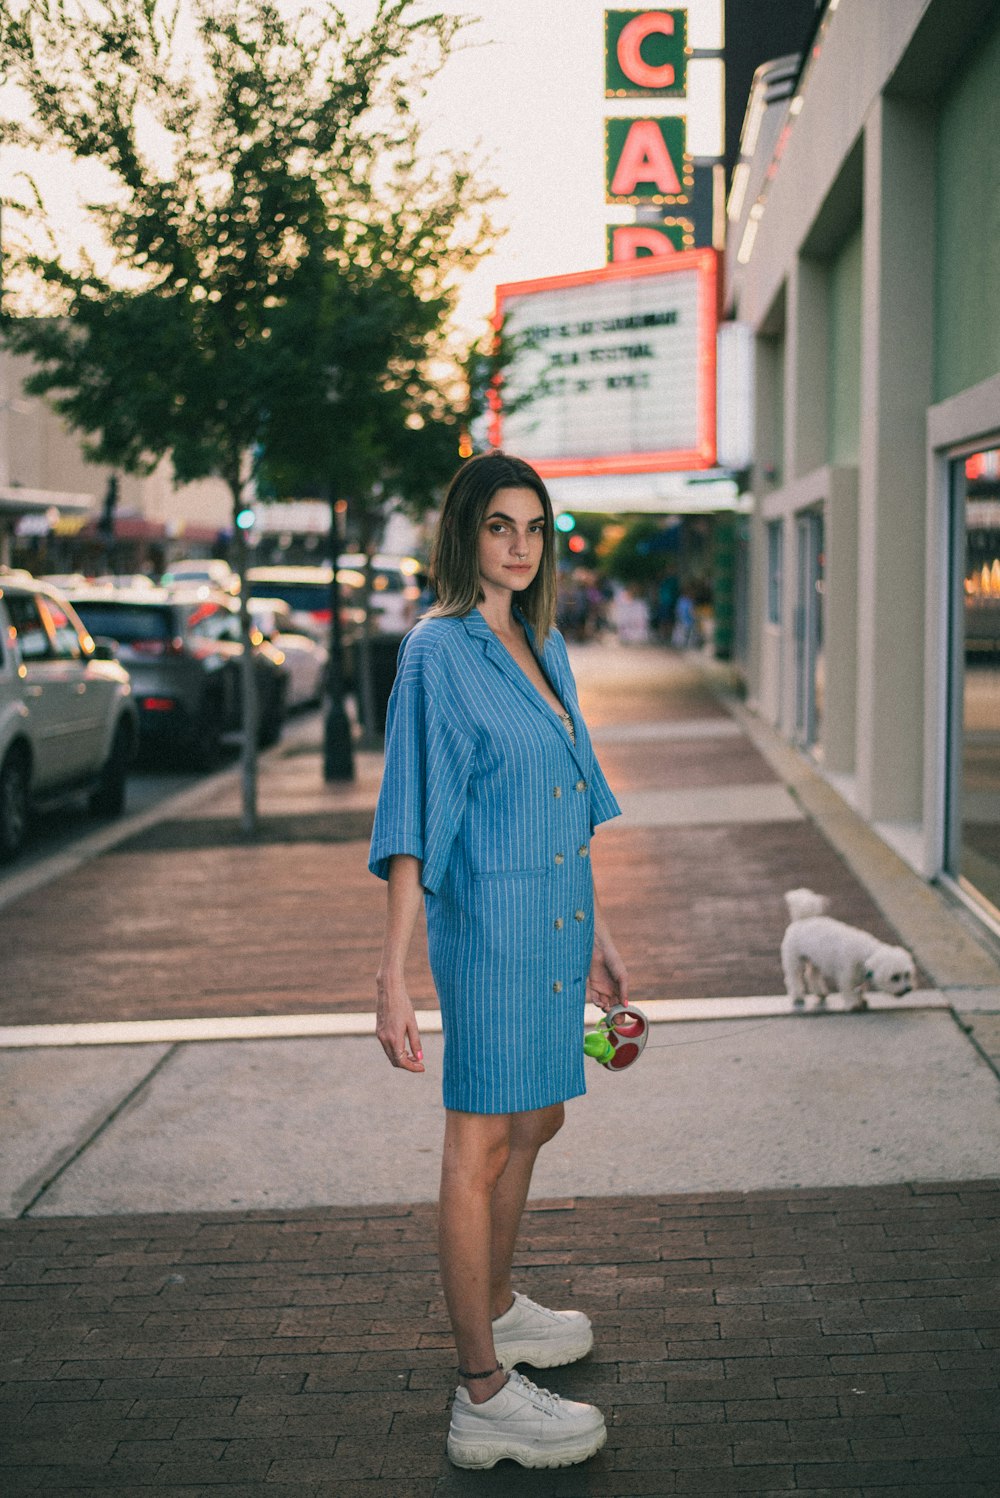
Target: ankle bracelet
[(488, 1374)]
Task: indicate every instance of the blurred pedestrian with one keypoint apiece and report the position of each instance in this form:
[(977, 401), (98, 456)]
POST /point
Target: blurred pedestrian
[(490, 795), (685, 631), (630, 615)]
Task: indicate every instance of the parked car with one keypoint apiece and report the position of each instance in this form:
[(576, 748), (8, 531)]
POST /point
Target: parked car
[(395, 591), (306, 590), (183, 653), (68, 721), (208, 570), (305, 657)]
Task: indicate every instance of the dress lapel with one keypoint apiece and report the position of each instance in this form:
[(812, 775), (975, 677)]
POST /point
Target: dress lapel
[(501, 657)]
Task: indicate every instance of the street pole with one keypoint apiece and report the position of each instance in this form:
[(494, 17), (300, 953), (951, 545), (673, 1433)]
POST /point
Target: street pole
[(248, 684), (338, 751)]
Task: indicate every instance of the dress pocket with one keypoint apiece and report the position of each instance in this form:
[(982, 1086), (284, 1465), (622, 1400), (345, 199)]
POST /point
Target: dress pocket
[(537, 871)]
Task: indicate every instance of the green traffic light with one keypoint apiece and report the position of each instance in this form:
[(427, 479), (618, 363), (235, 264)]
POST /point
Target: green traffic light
[(565, 521)]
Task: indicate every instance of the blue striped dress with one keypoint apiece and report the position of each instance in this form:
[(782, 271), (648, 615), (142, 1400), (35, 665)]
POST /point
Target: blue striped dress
[(483, 783)]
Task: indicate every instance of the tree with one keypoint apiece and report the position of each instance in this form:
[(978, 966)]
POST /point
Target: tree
[(229, 158), (366, 400)]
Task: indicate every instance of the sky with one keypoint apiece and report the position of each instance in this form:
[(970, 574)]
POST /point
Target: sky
[(524, 91)]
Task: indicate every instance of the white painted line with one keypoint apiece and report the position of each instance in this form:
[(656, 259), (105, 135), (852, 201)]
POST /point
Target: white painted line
[(691, 728), (297, 1026), (173, 1031), (708, 806)]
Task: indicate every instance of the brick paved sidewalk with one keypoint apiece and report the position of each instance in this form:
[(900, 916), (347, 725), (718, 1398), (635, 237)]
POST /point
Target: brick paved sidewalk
[(836, 1341), (187, 920)]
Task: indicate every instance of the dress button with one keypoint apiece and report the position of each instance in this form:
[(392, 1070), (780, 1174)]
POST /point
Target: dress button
[(557, 791), (557, 987), (581, 785), (583, 850), (559, 858), (558, 923), (579, 915)]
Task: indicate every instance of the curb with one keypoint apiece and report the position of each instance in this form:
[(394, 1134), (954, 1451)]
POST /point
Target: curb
[(15, 886)]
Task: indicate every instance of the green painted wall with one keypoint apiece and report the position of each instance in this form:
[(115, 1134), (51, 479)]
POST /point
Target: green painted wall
[(844, 354), (967, 269)]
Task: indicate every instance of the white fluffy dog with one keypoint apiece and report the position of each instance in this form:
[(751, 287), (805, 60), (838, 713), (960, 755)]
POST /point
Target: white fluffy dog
[(822, 956)]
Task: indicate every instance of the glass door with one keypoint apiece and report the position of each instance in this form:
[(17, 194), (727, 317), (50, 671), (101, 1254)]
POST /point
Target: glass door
[(974, 729), (810, 672)]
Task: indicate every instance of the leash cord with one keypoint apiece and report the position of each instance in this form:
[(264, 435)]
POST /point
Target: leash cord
[(673, 1045)]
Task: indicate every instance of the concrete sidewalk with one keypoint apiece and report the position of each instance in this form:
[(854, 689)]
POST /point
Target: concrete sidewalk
[(191, 1039)]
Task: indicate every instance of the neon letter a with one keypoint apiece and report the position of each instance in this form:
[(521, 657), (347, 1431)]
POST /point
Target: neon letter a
[(645, 158)]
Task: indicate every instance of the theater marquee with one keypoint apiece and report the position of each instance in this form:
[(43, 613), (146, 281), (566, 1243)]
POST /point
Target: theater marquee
[(619, 364)]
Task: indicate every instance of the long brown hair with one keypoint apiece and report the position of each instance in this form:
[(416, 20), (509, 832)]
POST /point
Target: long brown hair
[(454, 560)]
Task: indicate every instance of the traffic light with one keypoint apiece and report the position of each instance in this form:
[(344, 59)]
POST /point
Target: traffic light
[(245, 518), (565, 521)]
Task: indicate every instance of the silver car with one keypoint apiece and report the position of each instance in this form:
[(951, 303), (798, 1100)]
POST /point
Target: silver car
[(68, 721)]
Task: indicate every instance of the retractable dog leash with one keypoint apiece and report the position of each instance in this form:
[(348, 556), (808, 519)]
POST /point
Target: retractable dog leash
[(620, 1038)]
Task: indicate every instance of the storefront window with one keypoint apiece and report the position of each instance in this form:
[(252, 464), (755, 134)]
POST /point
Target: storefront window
[(974, 854), (810, 661), (775, 570)]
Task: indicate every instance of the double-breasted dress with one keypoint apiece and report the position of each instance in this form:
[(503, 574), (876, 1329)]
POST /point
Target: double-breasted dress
[(484, 784)]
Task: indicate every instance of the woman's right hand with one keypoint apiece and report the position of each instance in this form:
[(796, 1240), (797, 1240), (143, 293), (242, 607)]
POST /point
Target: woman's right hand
[(396, 1024)]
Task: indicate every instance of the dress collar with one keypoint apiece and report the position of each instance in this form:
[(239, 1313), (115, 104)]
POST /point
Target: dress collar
[(480, 630)]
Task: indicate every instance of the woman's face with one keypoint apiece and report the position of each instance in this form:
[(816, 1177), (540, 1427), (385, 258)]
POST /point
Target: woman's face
[(511, 541)]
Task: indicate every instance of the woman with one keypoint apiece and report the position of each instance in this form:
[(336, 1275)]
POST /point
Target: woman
[(490, 795)]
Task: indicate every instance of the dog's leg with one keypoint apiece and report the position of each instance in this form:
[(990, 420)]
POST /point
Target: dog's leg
[(792, 966), (818, 985)]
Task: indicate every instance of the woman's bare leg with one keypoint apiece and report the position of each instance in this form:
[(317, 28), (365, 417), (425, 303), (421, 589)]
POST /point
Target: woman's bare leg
[(528, 1132), (476, 1152)]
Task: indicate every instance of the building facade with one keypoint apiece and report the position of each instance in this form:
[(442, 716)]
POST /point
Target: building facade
[(52, 497), (864, 256)]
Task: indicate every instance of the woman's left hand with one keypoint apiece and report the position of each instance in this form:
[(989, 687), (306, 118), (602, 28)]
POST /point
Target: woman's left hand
[(607, 981)]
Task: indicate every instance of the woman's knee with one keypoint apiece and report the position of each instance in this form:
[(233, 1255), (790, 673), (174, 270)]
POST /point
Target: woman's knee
[(532, 1130), (476, 1148), (552, 1121)]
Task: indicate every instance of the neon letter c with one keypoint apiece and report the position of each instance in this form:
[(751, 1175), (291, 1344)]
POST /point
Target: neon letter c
[(630, 60)]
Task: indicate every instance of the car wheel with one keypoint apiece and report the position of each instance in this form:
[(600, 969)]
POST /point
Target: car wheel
[(107, 799), (14, 803)]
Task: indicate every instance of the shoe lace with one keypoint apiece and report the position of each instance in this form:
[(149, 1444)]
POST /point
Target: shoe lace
[(543, 1310), (543, 1399)]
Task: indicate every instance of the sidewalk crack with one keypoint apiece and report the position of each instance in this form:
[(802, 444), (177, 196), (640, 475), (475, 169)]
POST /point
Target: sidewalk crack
[(96, 1133)]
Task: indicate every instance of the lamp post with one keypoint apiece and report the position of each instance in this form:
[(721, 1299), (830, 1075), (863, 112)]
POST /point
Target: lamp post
[(338, 751)]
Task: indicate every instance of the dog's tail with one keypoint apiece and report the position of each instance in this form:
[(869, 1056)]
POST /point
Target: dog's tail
[(803, 903)]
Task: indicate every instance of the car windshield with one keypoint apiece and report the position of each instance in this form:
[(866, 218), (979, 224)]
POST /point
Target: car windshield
[(124, 623)]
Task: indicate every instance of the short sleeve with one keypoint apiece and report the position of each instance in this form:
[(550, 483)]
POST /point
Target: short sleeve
[(603, 805), (428, 761)]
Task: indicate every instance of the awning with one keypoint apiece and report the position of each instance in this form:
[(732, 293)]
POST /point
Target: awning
[(652, 493), (17, 501)]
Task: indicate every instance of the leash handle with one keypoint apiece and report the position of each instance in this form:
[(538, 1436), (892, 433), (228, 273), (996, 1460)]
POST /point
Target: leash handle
[(619, 1039)]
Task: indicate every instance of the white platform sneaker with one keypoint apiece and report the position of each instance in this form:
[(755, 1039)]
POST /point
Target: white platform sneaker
[(530, 1333), (525, 1424)]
